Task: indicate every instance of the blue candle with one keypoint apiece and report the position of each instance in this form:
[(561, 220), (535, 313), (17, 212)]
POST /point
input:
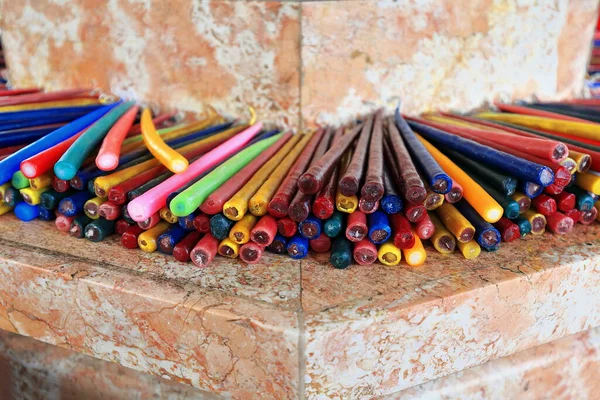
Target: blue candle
[(168, 239), (73, 205), (27, 135), (515, 166), (379, 227), (524, 226), (531, 190), (70, 162), (278, 245), (11, 116), (58, 119), (10, 164), (220, 226), (45, 214), (297, 247), (187, 222), (26, 212), (391, 202), (486, 235), (439, 181), (310, 228)]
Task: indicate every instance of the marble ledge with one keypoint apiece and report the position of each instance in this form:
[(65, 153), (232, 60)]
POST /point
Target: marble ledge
[(283, 327)]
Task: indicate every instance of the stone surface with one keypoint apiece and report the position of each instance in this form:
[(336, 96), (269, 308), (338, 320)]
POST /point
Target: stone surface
[(565, 369), (286, 327), (180, 54), (439, 54), (30, 369)]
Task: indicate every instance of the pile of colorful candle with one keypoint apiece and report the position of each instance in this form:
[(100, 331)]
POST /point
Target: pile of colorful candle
[(376, 189)]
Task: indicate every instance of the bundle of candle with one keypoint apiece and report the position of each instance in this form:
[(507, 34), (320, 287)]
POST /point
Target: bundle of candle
[(377, 189)]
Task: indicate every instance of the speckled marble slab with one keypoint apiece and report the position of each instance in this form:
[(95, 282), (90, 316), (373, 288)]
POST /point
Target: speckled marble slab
[(286, 328)]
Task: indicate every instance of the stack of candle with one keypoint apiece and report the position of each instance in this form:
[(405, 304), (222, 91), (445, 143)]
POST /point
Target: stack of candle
[(378, 189)]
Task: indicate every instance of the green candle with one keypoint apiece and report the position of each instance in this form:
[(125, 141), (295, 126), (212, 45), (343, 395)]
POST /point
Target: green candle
[(341, 252), (19, 181), (99, 229), (190, 199), (333, 225), (71, 160)]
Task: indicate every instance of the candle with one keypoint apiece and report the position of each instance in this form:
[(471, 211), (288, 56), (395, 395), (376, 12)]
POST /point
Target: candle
[(379, 228), (455, 194), (415, 256), (442, 239), (333, 225), (486, 235), (570, 165), (160, 120), (524, 225), (32, 196), (415, 212), (202, 223), (151, 222), (509, 231), (559, 223), (388, 254), (26, 212), (19, 181), (345, 204), (72, 159), (91, 207), (391, 202), (310, 228), (187, 222), (314, 178), (205, 251), (77, 228), (544, 204), (154, 199), (110, 211), (582, 160), (324, 202), (98, 230), (45, 215), (148, 240), (341, 252), (522, 200), (73, 205), (300, 207), (121, 226), (41, 181), (425, 228), (43, 97), (279, 245), (584, 201), (286, 227), (438, 180), (168, 239), (229, 248), (350, 179), (366, 206), (322, 244), (565, 201), (220, 226), (537, 221), (356, 229), (433, 200), (108, 155), (183, 249), (403, 236), (12, 196), (373, 188), (508, 163), (140, 190), (365, 252), (553, 189), (485, 205), (191, 198), (587, 217), (3, 189), (166, 215), (469, 250), (215, 201), (532, 109), (586, 180), (531, 189), (240, 232), (168, 157), (118, 193), (44, 161), (297, 247)]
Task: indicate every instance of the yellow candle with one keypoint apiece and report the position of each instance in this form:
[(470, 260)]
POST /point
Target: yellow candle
[(589, 182), (50, 104), (345, 204), (389, 254), (416, 255), (240, 232), (167, 156), (582, 160), (3, 189), (569, 164), (4, 208), (259, 202), (33, 196), (478, 198), (235, 208), (147, 241), (42, 181), (90, 208), (166, 215), (455, 222), (442, 239), (228, 248), (469, 250), (521, 198), (572, 128), (537, 221)]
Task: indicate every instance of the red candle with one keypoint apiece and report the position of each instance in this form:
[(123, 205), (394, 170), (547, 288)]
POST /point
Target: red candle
[(574, 214), (368, 206), (60, 185), (44, 161), (415, 212), (559, 223), (129, 239), (110, 210), (286, 227), (356, 229), (121, 226), (183, 249), (425, 228), (350, 179), (365, 252), (63, 223), (554, 189), (300, 207), (322, 244), (150, 222), (509, 231), (373, 187), (402, 232), (202, 223), (264, 231), (324, 203), (455, 194), (544, 204), (565, 201), (587, 217), (118, 194), (251, 252), (205, 251)]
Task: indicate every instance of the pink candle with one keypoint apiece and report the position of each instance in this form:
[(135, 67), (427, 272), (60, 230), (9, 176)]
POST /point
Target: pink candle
[(154, 199)]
